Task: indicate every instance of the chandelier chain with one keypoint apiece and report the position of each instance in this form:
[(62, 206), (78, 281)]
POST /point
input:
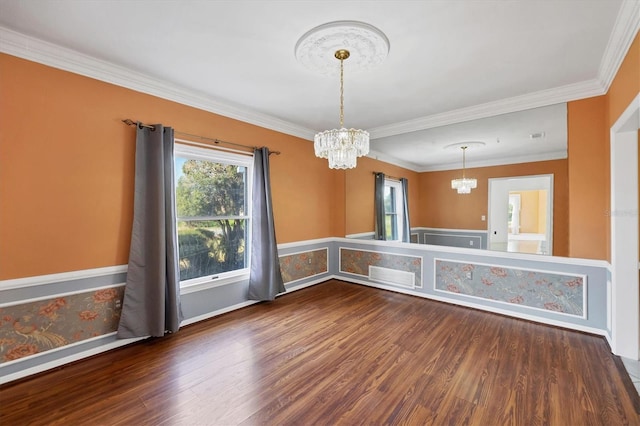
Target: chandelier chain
[(464, 150), (341, 146), (341, 93)]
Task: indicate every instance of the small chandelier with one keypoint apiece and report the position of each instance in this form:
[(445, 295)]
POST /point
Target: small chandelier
[(464, 185), (317, 50), (341, 146)]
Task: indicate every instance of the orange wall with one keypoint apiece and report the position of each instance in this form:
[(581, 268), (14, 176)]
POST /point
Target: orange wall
[(66, 177), (359, 183), (66, 172), (589, 121), (443, 207), (588, 178), (626, 84)]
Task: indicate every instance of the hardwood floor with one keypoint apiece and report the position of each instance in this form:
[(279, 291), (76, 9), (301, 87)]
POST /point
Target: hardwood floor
[(339, 353)]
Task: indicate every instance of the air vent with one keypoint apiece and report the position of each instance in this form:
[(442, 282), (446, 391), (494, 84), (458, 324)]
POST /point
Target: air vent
[(538, 135), (392, 276)]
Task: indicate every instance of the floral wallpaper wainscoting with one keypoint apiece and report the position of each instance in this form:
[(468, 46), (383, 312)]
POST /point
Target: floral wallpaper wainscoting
[(34, 327), (358, 262), (536, 289), (306, 264)]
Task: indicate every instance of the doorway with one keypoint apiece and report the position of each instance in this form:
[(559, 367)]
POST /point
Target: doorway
[(624, 315), (521, 214)]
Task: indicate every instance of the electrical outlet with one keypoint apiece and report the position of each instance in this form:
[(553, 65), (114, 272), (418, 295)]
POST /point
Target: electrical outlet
[(470, 242), (309, 261), (469, 275)]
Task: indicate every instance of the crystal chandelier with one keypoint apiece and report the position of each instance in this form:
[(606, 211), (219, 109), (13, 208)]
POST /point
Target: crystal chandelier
[(341, 146), (464, 185), (318, 50)]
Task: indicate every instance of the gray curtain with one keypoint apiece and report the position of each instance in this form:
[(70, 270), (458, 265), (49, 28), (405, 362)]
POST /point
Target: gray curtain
[(151, 304), (378, 197), (265, 281), (406, 228)]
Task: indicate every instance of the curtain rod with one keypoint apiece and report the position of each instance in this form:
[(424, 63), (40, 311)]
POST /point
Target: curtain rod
[(130, 122), (390, 177)]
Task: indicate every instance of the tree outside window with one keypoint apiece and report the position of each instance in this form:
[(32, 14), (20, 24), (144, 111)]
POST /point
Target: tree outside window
[(212, 213)]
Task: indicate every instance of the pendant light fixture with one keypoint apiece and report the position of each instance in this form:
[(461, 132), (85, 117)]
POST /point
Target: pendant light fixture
[(318, 49), (341, 146), (464, 185)]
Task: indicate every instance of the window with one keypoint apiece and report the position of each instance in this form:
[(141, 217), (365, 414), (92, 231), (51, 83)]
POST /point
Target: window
[(213, 207), (393, 209)]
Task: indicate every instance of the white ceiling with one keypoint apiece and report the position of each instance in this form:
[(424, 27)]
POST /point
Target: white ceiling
[(450, 61)]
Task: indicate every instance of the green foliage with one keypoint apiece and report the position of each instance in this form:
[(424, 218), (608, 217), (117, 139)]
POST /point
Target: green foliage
[(194, 254), (207, 247), (210, 189)]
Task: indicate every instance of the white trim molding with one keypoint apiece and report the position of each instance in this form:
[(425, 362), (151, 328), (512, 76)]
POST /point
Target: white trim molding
[(570, 92), (305, 243), (515, 159), (625, 308), (624, 31), (57, 295), (43, 52), (622, 36), (37, 50), (362, 235), (326, 271), (64, 276), (476, 252), (493, 265), (112, 344)]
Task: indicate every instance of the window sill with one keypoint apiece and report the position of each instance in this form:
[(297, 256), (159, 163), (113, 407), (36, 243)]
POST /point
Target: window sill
[(212, 283)]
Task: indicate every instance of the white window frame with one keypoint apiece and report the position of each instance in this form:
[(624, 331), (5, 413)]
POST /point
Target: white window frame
[(399, 206), (223, 157)]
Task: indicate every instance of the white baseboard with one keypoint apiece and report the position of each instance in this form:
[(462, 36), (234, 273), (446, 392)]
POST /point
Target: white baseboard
[(533, 318), (67, 359), (208, 315)]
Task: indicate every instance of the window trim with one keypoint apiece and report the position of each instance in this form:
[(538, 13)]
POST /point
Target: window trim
[(399, 212), (182, 149)]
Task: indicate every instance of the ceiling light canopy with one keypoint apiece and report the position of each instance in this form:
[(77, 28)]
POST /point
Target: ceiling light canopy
[(340, 40)]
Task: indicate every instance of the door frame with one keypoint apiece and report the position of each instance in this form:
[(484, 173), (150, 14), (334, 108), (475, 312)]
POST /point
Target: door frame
[(624, 305), (520, 183)]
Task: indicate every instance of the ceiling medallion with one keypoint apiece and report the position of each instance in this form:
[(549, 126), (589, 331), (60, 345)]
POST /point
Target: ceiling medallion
[(466, 145), (367, 45)]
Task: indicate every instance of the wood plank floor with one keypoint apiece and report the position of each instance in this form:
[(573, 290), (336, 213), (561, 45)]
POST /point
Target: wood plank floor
[(339, 353)]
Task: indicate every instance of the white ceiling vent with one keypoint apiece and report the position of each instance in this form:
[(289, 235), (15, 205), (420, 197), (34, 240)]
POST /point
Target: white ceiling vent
[(539, 135)]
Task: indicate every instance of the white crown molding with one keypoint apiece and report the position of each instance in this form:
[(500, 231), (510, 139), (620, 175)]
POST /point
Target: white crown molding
[(622, 36), (502, 161), (33, 49), (624, 31), (570, 92), (376, 155)]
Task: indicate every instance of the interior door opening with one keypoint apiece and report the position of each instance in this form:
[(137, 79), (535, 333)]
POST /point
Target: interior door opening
[(521, 214)]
